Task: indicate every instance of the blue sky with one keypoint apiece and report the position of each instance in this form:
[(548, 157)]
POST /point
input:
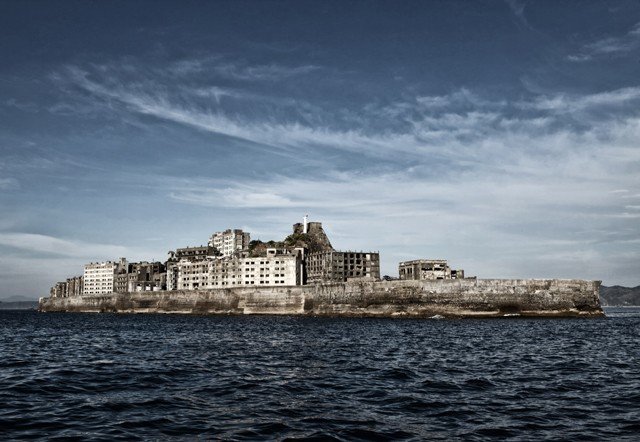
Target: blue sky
[(501, 135)]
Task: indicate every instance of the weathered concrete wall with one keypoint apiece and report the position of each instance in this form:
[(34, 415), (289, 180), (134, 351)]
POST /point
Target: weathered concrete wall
[(449, 298)]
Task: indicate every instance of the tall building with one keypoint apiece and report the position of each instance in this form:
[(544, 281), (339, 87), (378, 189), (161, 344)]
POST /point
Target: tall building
[(99, 277), (230, 241)]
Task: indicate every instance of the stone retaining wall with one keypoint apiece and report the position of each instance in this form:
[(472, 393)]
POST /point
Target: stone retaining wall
[(449, 298)]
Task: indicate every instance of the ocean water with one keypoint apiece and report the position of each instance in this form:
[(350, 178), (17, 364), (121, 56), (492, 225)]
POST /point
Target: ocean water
[(128, 377)]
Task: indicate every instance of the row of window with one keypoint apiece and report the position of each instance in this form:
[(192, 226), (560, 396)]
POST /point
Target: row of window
[(187, 286)]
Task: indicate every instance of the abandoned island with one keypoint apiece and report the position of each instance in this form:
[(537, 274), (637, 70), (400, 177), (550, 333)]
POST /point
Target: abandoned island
[(305, 275)]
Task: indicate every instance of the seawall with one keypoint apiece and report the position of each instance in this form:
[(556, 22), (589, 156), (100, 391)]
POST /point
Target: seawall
[(448, 298)]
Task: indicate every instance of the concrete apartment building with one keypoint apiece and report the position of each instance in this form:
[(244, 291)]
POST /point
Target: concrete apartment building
[(278, 268), (140, 276), (70, 287), (335, 266), (184, 255), (428, 269), (99, 277), (230, 241)]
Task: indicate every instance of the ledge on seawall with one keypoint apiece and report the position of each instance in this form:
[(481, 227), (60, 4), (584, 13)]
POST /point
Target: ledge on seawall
[(364, 297)]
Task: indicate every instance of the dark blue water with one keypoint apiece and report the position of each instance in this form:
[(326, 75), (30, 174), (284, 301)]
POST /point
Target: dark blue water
[(107, 376)]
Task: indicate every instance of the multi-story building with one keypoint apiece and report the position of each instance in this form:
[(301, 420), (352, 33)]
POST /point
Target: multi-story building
[(193, 253), (140, 276), (230, 241), (75, 286), (186, 254), (428, 269), (99, 277), (277, 268), (59, 290), (334, 266)]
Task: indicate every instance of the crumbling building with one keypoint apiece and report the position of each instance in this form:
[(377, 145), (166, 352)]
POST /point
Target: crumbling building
[(428, 269)]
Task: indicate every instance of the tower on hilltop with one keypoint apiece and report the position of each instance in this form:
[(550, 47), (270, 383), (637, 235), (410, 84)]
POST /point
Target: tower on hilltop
[(310, 235)]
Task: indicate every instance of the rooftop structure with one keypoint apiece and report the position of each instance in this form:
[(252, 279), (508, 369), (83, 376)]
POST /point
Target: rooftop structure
[(428, 269)]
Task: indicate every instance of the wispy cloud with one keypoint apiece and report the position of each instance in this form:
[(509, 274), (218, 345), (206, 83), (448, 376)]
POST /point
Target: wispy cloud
[(9, 184), (609, 46), (218, 66), (458, 126), (543, 210), (517, 8), (462, 175), (38, 243), (270, 72)]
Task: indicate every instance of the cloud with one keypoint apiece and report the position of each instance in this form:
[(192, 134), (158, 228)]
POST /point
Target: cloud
[(452, 127), (9, 184), (542, 212), (530, 182), (565, 103), (37, 243), (270, 72), (517, 8), (609, 46), (218, 66)]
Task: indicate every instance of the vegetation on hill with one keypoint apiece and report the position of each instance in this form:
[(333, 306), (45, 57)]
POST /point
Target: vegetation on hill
[(619, 296), (310, 241)]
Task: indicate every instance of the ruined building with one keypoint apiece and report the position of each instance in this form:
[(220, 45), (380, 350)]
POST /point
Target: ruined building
[(277, 268), (230, 241), (337, 266), (231, 260), (325, 264), (140, 277), (428, 269)]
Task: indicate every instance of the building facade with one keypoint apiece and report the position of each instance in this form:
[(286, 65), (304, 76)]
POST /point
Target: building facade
[(278, 268), (140, 276), (75, 286), (99, 277), (428, 269), (337, 266), (230, 241)]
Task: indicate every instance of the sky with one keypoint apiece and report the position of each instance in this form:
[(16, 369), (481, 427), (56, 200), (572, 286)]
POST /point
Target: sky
[(503, 136)]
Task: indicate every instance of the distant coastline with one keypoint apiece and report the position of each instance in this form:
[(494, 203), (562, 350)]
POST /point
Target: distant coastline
[(18, 305), (618, 296)]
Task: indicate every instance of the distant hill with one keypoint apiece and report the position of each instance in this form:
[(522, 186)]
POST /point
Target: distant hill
[(617, 295), (17, 298), (18, 305)]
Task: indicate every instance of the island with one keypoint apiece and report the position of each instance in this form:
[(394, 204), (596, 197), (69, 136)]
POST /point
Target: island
[(304, 275)]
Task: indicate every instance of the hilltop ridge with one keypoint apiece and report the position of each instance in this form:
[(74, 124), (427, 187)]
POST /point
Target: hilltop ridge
[(619, 296)]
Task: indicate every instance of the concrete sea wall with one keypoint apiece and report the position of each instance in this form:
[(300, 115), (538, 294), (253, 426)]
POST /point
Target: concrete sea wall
[(448, 298)]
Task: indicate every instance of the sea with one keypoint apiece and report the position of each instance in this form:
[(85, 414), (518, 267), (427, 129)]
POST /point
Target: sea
[(172, 377)]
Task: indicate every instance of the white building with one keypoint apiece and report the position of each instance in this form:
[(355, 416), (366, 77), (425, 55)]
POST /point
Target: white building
[(98, 277), (278, 268), (230, 241)]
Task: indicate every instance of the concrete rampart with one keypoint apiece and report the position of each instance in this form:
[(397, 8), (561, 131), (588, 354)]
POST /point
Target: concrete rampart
[(449, 298)]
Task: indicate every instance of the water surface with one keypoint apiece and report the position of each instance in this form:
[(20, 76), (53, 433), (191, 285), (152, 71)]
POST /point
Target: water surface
[(110, 376)]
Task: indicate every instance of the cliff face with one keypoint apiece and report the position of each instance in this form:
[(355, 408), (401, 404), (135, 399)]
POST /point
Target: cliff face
[(449, 298)]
